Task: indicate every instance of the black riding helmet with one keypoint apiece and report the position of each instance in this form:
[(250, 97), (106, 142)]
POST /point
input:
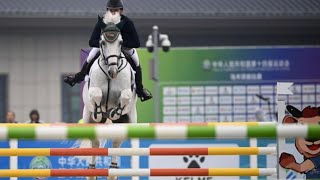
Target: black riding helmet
[(113, 4)]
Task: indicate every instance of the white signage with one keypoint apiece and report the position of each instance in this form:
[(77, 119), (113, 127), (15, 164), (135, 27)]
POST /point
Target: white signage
[(193, 161), (273, 159)]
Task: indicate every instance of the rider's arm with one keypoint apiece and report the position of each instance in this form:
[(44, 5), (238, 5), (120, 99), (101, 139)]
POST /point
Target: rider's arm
[(95, 36), (130, 35)]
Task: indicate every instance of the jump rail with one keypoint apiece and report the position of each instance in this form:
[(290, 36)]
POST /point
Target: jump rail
[(142, 124), (137, 151), (139, 172), (118, 131)]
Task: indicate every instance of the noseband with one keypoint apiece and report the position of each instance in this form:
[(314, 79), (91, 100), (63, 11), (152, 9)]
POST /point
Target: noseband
[(106, 59)]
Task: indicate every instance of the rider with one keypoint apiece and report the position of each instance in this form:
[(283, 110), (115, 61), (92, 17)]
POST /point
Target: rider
[(130, 42)]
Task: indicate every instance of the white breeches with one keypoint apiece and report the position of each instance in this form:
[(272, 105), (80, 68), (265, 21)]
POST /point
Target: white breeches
[(92, 54), (134, 55)]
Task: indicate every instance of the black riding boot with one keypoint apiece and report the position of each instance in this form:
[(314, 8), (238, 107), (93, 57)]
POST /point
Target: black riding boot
[(142, 93), (77, 78)]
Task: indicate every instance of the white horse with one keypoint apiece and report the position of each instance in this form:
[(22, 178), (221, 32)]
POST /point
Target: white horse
[(109, 95)]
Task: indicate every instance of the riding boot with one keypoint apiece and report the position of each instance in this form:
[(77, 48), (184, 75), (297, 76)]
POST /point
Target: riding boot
[(78, 77), (142, 93)]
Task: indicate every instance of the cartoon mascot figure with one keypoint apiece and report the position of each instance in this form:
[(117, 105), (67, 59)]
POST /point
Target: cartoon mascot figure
[(309, 148)]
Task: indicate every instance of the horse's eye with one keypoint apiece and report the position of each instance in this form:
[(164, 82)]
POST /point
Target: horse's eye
[(103, 43), (121, 42)]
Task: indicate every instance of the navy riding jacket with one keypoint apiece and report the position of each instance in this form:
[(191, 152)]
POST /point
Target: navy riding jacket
[(128, 31)]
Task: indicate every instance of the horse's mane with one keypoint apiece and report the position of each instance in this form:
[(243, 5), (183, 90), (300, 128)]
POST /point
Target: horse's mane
[(108, 17)]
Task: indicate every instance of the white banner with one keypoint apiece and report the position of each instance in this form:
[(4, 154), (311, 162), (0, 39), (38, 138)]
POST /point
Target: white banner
[(193, 161)]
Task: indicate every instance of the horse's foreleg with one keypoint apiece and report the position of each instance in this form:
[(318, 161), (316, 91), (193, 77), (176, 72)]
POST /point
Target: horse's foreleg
[(132, 114), (86, 114), (123, 101), (95, 96), (125, 97)]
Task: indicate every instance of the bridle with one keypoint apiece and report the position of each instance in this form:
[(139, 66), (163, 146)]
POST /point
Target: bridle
[(110, 34), (106, 59)]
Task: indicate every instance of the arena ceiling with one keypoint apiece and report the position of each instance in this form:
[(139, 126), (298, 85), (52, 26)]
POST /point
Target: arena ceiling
[(188, 22), (165, 8)]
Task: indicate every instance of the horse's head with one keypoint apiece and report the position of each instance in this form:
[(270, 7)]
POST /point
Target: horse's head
[(110, 47)]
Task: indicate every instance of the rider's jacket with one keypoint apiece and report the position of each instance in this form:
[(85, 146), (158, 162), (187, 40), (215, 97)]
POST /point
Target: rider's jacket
[(128, 31)]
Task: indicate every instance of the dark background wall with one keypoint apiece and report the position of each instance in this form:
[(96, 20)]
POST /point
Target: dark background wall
[(191, 32)]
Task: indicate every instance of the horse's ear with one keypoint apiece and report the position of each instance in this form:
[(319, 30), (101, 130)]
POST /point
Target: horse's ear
[(101, 23)]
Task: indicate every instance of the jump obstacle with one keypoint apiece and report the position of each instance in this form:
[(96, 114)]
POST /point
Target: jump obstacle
[(137, 151), (120, 131), (139, 172), (182, 131)]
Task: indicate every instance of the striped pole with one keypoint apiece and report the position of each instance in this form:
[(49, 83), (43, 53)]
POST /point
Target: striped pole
[(139, 172), (118, 131), (137, 151), (144, 124)]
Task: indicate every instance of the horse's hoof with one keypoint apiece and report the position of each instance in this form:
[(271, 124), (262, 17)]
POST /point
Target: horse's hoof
[(112, 178), (91, 178), (113, 166), (91, 166)]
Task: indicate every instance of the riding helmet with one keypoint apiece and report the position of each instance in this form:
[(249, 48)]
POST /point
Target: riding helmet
[(113, 4)]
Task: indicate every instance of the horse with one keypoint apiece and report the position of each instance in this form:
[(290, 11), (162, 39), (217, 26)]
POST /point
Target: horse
[(109, 94)]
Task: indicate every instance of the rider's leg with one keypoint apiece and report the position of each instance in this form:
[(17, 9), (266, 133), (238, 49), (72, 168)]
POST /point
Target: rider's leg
[(142, 93), (79, 77)]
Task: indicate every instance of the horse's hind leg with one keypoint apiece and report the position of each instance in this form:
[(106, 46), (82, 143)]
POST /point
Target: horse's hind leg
[(89, 143), (92, 164), (135, 143), (95, 144), (123, 101), (116, 143)]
